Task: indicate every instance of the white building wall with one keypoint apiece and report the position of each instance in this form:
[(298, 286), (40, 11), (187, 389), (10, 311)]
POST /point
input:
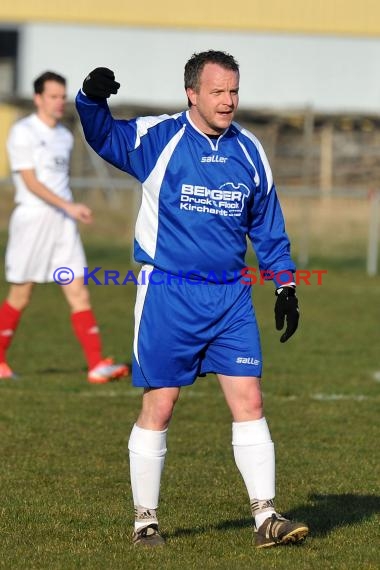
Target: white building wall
[(277, 70)]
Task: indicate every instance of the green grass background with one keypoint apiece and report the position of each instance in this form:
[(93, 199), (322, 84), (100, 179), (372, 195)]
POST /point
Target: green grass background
[(65, 501)]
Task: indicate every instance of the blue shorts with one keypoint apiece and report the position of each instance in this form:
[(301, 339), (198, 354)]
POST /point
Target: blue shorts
[(186, 329)]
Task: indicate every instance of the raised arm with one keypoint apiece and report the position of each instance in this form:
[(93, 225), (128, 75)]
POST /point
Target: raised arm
[(110, 138)]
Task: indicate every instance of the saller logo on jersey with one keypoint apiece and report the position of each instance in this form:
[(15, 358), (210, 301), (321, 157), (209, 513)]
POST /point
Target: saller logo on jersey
[(227, 200), (214, 158), (245, 360)]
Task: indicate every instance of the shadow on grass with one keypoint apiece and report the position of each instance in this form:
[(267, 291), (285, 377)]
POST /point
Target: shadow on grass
[(60, 370), (326, 513)]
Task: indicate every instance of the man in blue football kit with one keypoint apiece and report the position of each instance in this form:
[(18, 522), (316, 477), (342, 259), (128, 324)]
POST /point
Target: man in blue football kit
[(206, 186)]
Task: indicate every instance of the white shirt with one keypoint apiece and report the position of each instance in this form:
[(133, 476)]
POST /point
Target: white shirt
[(34, 145)]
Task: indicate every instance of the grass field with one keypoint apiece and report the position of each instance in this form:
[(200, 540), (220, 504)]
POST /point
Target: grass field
[(65, 500)]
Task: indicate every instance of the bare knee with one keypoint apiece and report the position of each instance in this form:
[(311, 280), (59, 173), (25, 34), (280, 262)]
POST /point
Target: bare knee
[(255, 406), (247, 409), (243, 396), (157, 408), (77, 296), (19, 295)]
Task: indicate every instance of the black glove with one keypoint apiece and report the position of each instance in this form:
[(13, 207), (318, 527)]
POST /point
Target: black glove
[(100, 83), (286, 306)]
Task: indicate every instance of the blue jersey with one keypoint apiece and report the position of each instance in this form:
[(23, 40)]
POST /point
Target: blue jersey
[(201, 197)]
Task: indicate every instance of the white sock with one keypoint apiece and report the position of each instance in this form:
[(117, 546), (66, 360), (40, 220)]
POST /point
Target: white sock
[(254, 457), (261, 517), (147, 449)]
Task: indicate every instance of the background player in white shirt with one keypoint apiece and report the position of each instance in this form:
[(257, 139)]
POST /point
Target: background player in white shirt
[(43, 233)]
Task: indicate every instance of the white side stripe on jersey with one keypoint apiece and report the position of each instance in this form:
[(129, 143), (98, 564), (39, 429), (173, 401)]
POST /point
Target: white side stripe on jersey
[(145, 123), (147, 220), (262, 154), (257, 177), (142, 290)]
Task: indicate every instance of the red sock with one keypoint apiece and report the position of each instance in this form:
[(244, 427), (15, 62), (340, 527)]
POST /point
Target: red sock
[(9, 319), (87, 332)]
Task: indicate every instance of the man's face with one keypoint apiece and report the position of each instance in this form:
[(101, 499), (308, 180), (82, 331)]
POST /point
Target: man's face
[(51, 102), (216, 99)]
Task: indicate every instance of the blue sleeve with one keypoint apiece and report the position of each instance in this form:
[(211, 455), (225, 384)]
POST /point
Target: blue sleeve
[(116, 141), (267, 233)]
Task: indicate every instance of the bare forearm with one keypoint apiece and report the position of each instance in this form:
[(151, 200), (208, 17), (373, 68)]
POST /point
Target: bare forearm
[(79, 212), (43, 192)]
